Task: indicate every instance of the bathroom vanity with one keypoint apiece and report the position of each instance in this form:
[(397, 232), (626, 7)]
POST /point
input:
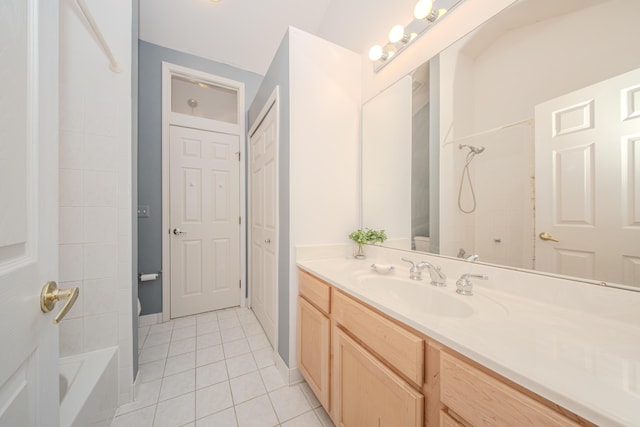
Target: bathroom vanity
[(384, 350)]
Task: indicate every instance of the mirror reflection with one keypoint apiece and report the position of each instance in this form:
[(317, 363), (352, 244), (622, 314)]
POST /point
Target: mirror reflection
[(519, 143)]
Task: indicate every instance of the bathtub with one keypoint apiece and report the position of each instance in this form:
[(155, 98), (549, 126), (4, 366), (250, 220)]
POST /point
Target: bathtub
[(89, 388)]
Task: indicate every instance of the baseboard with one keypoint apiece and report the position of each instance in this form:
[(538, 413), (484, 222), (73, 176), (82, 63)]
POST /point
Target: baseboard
[(289, 375), (149, 319)]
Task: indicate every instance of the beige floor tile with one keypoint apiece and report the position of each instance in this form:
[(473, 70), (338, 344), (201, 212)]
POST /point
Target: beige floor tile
[(175, 412), (257, 412), (247, 387), (213, 399)]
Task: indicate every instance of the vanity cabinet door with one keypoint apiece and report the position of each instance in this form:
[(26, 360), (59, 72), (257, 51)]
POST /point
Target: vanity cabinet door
[(366, 392), (313, 349)]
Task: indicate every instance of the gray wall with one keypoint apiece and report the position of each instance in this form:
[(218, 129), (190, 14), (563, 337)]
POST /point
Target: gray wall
[(278, 75), (150, 152)]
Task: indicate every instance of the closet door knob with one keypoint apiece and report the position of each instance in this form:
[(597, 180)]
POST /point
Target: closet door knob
[(178, 232), (267, 241)]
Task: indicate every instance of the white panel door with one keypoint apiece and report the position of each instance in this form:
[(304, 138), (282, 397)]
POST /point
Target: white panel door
[(263, 148), (28, 216), (588, 182), (205, 211)]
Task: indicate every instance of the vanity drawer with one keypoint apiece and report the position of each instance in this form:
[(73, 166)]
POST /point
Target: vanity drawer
[(481, 399), (448, 421), (314, 290), (397, 346)]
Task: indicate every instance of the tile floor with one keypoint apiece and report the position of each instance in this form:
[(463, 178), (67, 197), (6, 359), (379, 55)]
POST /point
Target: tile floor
[(215, 369)]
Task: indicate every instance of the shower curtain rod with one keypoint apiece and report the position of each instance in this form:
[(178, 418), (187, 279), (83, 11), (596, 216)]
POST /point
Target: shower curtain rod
[(488, 131), (113, 64)]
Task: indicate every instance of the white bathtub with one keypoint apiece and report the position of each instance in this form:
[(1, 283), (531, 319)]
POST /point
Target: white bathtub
[(89, 388)]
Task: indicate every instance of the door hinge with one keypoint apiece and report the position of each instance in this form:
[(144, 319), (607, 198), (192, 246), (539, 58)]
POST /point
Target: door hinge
[(239, 220), (238, 154), (239, 283)]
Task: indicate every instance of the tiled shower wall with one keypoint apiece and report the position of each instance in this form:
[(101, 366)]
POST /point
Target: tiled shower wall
[(95, 183)]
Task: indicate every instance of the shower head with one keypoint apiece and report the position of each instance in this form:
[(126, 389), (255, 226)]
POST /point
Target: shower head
[(474, 150)]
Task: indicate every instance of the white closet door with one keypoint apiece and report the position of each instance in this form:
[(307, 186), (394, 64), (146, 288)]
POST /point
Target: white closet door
[(28, 217), (263, 149), (205, 229), (588, 182)]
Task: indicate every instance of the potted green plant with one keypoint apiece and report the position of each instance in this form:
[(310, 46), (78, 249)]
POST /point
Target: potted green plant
[(364, 236)]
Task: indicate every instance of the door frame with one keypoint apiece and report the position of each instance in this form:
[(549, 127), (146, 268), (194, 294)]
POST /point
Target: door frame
[(170, 118), (272, 102)]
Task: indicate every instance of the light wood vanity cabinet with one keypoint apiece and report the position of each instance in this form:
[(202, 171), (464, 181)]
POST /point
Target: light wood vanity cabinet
[(314, 335), (482, 399), (370, 370), (366, 392), (401, 349), (377, 368)]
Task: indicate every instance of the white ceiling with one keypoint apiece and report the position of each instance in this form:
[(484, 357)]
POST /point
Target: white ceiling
[(242, 33), (247, 33)]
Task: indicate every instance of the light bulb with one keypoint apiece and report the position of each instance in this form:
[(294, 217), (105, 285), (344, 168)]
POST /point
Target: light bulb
[(396, 34), (422, 9), (375, 52)]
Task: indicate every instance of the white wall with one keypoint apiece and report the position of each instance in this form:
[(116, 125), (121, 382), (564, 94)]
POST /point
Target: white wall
[(324, 150), (95, 183)]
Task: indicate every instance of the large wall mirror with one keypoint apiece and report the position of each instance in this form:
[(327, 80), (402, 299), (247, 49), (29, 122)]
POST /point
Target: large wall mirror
[(519, 143)]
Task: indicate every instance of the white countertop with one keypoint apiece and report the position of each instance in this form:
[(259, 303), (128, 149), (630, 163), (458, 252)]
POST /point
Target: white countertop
[(565, 349)]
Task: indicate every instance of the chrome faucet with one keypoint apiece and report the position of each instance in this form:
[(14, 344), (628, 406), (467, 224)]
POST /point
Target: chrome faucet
[(464, 285), (438, 278)]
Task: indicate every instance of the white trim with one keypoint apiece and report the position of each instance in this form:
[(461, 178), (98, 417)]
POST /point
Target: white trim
[(273, 99), (149, 319), (272, 102), (170, 118), (289, 375)]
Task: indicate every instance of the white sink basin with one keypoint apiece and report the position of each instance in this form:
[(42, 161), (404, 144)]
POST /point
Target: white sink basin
[(413, 296)]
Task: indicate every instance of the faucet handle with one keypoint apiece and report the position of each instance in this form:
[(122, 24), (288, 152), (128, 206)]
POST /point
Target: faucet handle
[(475, 276), (464, 285), (413, 264), (415, 272)]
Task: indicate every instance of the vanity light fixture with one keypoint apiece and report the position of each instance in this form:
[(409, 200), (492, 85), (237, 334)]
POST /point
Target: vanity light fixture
[(400, 37), (423, 9), (377, 54), (397, 34)]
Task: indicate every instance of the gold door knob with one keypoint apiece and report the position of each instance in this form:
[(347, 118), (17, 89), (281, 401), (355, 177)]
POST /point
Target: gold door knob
[(546, 236), (50, 295)]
